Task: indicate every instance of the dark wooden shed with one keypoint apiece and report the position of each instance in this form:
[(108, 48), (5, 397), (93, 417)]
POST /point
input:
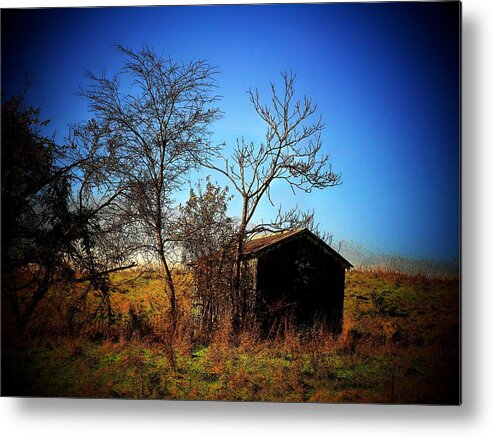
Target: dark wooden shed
[(296, 274)]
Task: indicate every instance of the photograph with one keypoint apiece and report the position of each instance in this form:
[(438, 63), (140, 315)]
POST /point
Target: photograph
[(235, 202)]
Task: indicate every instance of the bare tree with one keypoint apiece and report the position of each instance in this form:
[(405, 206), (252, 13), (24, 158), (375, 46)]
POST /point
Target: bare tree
[(291, 152), (156, 128)]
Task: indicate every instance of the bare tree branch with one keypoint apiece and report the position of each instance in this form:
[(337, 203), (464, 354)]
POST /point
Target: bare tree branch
[(291, 152)]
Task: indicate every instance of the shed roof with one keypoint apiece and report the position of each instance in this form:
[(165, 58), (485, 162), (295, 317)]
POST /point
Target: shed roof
[(260, 243), (256, 246)]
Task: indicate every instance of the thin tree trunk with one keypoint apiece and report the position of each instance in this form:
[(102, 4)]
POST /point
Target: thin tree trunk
[(169, 344), (25, 317), (172, 293), (168, 278), (238, 287)]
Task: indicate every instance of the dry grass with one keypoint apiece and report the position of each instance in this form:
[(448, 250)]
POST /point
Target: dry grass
[(399, 344)]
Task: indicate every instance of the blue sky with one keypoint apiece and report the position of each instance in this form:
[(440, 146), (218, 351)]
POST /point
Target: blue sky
[(385, 77)]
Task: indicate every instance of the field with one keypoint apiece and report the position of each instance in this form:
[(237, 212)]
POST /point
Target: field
[(399, 344)]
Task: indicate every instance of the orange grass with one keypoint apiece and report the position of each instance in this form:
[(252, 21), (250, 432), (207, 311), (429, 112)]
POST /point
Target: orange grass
[(399, 344)]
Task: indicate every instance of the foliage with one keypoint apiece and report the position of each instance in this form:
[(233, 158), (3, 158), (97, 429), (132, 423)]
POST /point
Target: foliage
[(38, 226), (34, 186), (204, 226), (207, 235), (52, 231)]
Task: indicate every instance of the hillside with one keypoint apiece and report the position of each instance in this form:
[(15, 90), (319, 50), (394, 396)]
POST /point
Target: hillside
[(400, 344)]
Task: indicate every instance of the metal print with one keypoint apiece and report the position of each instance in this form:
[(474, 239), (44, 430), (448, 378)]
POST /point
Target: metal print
[(236, 202)]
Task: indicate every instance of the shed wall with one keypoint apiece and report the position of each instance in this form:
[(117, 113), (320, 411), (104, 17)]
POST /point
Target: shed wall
[(300, 278)]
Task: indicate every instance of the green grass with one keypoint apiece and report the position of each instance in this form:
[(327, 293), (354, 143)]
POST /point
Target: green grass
[(399, 345)]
